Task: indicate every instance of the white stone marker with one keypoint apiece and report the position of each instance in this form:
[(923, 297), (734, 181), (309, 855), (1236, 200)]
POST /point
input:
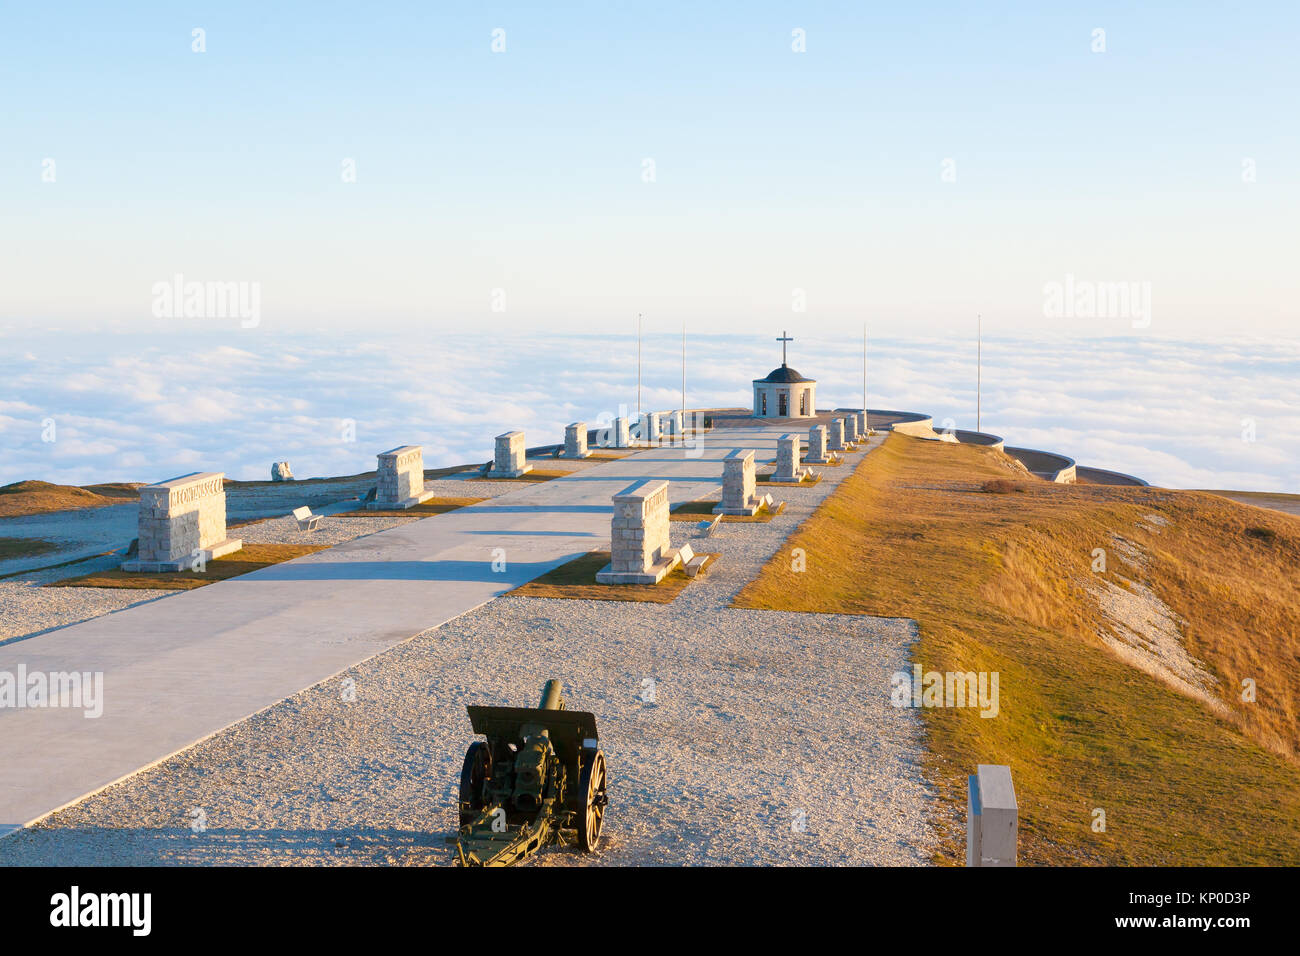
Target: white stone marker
[(992, 817), (575, 440), (817, 446), (652, 427), (835, 441), (401, 479), (508, 462), (675, 425), (863, 427), (851, 429), (787, 460), (738, 496), (622, 438), (640, 549), (180, 521)]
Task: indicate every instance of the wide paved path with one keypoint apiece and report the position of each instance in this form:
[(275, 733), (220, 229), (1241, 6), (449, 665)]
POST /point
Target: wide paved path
[(179, 669)]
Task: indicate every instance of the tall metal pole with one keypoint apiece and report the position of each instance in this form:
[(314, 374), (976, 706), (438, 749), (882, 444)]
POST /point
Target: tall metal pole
[(683, 373), (979, 366), (866, 417), (638, 368)]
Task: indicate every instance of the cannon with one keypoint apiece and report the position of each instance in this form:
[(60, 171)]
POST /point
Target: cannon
[(538, 777)]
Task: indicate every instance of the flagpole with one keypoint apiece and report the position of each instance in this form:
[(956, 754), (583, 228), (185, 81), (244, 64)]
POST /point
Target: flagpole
[(638, 369), (979, 366), (866, 417)]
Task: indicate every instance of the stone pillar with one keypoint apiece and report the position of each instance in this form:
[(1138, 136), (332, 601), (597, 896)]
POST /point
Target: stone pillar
[(817, 446), (675, 424), (509, 459), (640, 549), (850, 428), (575, 440), (738, 496), (651, 427), (621, 437), (787, 460), (400, 479), (863, 426), (835, 441), (180, 521), (992, 817)]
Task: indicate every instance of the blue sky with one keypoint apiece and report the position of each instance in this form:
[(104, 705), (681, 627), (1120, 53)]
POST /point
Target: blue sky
[(522, 171)]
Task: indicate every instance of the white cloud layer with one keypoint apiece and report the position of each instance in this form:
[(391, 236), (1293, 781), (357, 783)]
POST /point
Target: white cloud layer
[(143, 408)]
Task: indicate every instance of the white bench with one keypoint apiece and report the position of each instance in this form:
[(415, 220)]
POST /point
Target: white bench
[(306, 520), (705, 528)]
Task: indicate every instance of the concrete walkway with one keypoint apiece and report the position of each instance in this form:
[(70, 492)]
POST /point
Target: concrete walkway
[(180, 669)]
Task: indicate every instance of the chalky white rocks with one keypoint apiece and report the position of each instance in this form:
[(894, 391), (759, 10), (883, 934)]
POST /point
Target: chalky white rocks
[(508, 462), (401, 479), (182, 524)]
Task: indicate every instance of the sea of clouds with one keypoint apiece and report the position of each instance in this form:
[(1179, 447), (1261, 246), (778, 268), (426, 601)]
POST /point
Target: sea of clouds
[(86, 407)]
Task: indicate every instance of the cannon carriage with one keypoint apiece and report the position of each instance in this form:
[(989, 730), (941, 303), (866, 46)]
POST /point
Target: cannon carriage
[(538, 778)]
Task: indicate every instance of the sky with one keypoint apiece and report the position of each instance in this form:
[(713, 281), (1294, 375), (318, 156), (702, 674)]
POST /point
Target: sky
[(737, 166)]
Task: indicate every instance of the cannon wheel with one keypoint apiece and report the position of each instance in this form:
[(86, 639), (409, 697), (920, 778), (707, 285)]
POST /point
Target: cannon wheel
[(474, 773), (592, 787)]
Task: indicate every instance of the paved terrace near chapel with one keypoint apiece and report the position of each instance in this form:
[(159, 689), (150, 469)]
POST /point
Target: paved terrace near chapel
[(181, 668)]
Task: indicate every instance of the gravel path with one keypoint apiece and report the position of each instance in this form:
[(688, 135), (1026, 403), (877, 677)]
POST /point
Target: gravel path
[(758, 722)]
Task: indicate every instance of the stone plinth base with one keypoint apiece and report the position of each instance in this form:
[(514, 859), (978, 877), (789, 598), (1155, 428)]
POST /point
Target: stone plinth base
[(220, 549), (402, 505), (516, 473), (798, 477), (747, 510), (656, 572)]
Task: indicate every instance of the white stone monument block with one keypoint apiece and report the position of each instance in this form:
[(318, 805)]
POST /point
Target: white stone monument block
[(850, 429), (575, 440), (738, 497), (180, 521), (400, 479), (817, 446), (640, 548), (622, 437), (787, 460), (992, 817), (835, 440), (508, 461)]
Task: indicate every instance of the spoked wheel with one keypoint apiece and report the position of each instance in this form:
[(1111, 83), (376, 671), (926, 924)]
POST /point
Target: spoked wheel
[(474, 775), (592, 787)]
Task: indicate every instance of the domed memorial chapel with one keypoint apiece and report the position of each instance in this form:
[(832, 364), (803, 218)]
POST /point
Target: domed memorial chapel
[(784, 393)]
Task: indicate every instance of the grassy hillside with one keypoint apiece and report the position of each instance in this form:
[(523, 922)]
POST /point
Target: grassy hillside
[(40, 497), (1000, 573)]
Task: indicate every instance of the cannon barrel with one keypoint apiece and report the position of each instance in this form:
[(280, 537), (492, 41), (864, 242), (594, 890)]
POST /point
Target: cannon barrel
[(552, 698)]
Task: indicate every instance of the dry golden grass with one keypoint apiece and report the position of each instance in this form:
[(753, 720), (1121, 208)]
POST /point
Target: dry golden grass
[(25, 547), (537, 474), (698, 510), (249, 558), (1003, 582), (434, 506), (41, 497), (577, 580)]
